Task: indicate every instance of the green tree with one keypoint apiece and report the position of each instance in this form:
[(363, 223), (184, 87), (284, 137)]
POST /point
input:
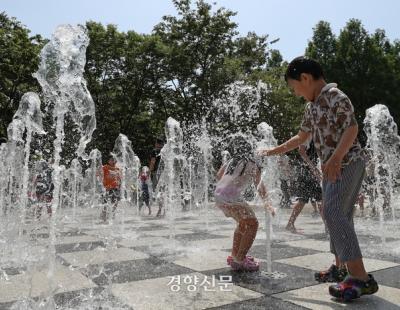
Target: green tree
[(274, 60), (364, 65), (365, 73), (281, 110), (323, 47), (205, 55), (124, 75), (19, 58)]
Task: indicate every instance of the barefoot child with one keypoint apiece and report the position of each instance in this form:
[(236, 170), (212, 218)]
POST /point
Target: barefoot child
[(308, 185), (144, 178), (329, 119), (234, 177)]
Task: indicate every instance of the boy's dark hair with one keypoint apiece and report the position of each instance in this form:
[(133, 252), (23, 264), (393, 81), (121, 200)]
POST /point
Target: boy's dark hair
[(301, 65), (241, 151)]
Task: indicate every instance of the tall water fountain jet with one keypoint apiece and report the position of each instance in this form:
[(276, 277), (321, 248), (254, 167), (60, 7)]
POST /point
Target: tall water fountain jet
[(190, 182), (204, 144), (60, 74), (94, 179), (129, 165), (12, 153), (3, 178), (196, 178), (384, 146), (13, 164), (75, 183), (169, 189), (30, 115), (270, 177)]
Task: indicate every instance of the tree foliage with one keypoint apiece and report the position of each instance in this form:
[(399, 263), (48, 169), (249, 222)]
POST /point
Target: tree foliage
[(19, 58), (192, 61), (365, 66)]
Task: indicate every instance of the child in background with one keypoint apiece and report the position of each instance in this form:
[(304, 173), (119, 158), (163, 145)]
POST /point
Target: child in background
[(145, 188), (44, 187), (308, 185), (234, 177), (112, 183)]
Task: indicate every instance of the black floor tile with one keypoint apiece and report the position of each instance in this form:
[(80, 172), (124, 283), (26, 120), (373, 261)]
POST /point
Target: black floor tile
[(388, 277), (262, 303), (294, 278), (279, 251), (76, 247), (197, 236), (95, 298), (134, 270)]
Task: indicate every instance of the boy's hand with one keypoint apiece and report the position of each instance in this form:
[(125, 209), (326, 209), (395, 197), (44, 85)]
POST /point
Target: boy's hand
[(264, 152), (332, 169)]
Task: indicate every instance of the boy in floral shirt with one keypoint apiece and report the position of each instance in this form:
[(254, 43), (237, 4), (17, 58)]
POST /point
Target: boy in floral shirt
[(329, 119)]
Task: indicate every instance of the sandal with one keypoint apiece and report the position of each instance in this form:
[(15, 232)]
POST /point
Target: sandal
[(229, 259), (246, 265), (333, 274), (351, 288)]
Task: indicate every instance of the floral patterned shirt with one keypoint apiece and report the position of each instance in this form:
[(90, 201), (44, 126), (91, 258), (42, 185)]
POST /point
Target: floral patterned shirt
[(326, 119)]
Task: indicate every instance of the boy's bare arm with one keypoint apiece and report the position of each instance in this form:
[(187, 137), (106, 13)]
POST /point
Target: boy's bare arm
[(287, 146), (220, 172), (333, 166), (314, 169)]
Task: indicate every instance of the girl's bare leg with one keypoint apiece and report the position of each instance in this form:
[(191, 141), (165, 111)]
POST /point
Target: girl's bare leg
[(297, 208), (245, 231), (237, 238), (250, 232)]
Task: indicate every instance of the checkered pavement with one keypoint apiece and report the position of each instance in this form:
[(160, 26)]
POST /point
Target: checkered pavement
[(144, 262)]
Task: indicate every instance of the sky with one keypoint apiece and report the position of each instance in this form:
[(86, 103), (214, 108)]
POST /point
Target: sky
[(289, 20)]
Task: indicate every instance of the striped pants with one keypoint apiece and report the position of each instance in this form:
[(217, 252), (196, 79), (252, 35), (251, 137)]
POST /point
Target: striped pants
[(339, 200)]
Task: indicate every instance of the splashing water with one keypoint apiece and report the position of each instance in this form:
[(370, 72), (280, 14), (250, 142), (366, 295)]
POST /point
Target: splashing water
[(94, 179), (31, 116), (170, 189), (270, 177), (60, 75), (75, 184), (204, 144), (383, 146), (129, 164)]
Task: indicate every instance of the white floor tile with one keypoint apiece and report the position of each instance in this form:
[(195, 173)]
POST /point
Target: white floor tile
[(156, 294), (37, 283), (311, 244), (317, 297), (321, 261), (101, 255)]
